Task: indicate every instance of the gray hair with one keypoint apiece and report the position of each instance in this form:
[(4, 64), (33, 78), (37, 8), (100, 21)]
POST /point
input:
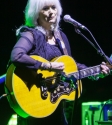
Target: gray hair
[(33, 8)]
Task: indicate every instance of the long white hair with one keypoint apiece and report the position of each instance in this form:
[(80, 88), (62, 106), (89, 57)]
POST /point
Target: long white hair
[(33, 8)]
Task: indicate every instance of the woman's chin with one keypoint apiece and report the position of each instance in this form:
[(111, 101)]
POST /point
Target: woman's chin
[(52, 21)]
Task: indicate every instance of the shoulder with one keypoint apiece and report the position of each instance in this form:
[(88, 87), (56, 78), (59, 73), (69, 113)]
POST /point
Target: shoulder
[(27, 29), (28, 35), (65, 40), (28, 32), (64, 36), (62, 33)]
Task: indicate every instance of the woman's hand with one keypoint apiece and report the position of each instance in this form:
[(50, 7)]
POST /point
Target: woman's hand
[(53, 66), (104, 69), (104, 72)]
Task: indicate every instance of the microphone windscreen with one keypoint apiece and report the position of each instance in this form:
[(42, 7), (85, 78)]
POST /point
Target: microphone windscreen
[(66, 18)]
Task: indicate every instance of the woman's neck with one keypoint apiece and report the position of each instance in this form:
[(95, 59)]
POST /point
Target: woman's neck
[(47, 31)]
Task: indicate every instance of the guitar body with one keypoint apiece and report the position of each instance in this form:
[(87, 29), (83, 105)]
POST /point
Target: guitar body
[(23, 88)]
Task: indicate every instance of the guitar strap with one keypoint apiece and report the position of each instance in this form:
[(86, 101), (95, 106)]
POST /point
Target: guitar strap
[(60, 42)]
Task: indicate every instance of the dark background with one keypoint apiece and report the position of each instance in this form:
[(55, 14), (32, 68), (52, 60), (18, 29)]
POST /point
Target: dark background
[(96, 15)]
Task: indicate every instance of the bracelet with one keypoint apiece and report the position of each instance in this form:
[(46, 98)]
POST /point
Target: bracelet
[(42, 66), (45, 66), (50, 66)]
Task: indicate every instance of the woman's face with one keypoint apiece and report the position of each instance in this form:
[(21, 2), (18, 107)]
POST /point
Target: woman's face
[(48, 15)]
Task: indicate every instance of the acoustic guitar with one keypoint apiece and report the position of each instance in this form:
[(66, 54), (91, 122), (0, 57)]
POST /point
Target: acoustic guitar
[(38, 93)]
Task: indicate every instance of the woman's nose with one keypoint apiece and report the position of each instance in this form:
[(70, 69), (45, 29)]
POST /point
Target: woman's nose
[(50, 10)]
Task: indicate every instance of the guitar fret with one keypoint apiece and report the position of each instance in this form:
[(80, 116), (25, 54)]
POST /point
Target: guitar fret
[(87, 72), (91, 71), (98, 69), (83, 74), (76, 75)]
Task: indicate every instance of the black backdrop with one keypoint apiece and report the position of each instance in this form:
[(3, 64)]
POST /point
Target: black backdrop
[(94, 14)]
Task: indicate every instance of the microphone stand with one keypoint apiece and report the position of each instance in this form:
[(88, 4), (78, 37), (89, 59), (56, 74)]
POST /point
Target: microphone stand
[(98, 48)]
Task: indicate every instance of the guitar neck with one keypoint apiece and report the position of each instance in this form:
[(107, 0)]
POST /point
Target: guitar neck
[(86, 72)]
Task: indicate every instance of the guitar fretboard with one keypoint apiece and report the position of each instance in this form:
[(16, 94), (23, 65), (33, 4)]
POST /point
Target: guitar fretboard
[(86, 72)]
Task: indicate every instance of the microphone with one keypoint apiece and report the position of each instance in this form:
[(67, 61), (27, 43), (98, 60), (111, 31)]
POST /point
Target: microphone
[(67, 18)]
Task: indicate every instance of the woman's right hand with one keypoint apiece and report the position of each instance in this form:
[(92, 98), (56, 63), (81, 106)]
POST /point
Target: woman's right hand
[(53, 66)]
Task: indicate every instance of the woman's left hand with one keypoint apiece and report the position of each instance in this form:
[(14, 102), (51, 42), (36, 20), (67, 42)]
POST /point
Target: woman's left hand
[(104, 72), (104, 69)]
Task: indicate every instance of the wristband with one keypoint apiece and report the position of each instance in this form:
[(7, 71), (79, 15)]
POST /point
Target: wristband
[(50, 66)]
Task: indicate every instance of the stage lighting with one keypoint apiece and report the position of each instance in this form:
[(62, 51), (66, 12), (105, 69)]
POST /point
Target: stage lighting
[(13, 120)]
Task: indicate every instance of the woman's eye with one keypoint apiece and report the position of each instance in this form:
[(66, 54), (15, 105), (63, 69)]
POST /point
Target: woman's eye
[(45, 8), (48, 7), (53, 7)]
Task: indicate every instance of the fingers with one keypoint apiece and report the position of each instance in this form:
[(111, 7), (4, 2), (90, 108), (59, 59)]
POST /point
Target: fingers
[(103, 63), (57, 65), (104, 68), (53, 66)]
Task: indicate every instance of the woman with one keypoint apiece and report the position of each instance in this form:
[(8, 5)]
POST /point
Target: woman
[(39, 37)]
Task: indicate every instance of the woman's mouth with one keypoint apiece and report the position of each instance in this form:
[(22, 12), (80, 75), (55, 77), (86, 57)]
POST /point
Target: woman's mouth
[(50, 18)]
